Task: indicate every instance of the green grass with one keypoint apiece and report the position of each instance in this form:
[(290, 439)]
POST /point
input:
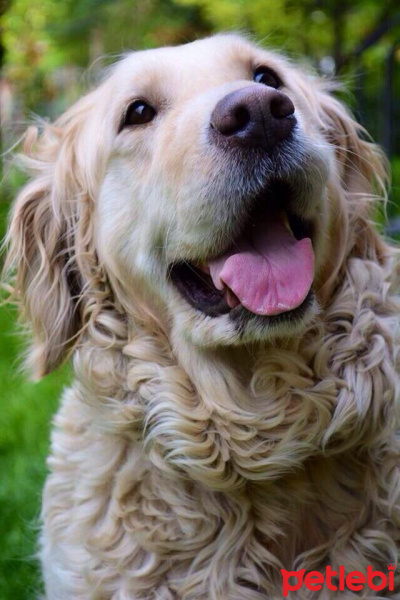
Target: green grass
[(26, 411)]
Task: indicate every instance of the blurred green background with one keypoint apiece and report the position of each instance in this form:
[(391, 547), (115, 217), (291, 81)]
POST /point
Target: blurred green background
[(53, 50)]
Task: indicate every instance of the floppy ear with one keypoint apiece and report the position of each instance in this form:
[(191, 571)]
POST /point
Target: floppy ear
[(51, 261), (361, 320), (362, 174)]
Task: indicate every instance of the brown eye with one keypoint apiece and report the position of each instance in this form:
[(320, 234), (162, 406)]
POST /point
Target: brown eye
[(138, 113), (267, 76)]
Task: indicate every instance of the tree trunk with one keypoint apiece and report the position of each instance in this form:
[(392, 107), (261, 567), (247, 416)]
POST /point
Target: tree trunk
[(4, 6), (339, 17)]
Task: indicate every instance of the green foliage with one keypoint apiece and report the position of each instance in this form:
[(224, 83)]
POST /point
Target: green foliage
[(300, 27), (395, 188), (43, 35)]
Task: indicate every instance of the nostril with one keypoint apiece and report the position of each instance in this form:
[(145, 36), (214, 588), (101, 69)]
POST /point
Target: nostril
[(281, 106), (231, 121), (242, 118)]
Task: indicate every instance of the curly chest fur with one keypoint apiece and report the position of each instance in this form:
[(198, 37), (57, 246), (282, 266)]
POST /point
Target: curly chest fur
[(188, 482)]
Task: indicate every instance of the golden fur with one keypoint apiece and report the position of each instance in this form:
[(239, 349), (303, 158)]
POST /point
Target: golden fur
[(186, 464)]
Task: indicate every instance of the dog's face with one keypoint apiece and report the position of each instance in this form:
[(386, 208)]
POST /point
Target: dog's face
[(214, 198), (214, 183)]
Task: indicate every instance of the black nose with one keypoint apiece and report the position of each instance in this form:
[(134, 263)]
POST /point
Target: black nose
[(254, 116)]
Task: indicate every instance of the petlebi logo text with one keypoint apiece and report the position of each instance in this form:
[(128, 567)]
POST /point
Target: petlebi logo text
[(338, 580)]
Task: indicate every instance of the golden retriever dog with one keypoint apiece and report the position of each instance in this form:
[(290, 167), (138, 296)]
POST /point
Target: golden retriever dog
[(197, 234)]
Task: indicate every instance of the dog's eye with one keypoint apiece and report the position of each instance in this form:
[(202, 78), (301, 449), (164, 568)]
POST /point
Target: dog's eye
[(138, 113), (267, 76)]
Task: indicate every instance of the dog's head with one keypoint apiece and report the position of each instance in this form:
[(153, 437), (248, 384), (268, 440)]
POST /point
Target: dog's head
[(215, 183)]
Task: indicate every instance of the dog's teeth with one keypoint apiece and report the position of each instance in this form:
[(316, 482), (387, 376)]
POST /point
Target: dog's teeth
[(231, 300)]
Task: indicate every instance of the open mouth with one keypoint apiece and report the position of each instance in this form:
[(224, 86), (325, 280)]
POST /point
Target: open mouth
[(268, 270)]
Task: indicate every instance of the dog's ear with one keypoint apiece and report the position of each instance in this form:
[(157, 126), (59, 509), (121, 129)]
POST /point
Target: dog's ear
[(360, 177), (362, 173), (50, 259), (363, 165)]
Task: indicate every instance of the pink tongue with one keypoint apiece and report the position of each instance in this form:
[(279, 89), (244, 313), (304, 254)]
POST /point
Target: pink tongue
[(270, 272)]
